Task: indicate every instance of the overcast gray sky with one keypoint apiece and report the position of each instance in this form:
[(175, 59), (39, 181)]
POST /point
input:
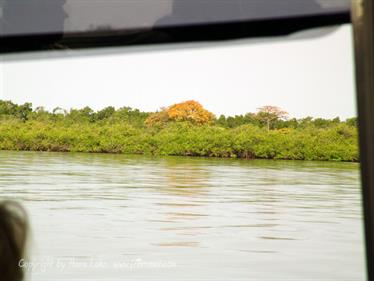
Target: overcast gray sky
[(306, 77)]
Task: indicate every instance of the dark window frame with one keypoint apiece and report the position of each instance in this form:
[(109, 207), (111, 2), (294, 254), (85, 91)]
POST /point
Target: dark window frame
[(178, 34), (363, 24)]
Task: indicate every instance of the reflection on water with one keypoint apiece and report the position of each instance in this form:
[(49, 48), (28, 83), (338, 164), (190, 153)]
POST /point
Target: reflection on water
[(116, 217)]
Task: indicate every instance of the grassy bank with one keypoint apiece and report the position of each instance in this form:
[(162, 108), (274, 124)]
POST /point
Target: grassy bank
[(126, 131)]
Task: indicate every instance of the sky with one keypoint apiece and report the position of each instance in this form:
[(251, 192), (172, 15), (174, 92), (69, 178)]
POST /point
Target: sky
[(306, 77)]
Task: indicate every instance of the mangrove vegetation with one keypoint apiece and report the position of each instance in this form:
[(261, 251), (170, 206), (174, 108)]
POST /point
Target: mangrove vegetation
[(184, 129)]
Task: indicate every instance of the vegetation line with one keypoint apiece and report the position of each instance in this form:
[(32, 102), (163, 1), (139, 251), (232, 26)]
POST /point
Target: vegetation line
[(185, 129)]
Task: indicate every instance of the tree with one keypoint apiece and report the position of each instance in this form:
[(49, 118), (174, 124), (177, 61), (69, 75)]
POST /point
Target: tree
[(84, 114), (24, 111), (190, 111), (269, 114), (105, 113), (352, 122), (8, 108), (158, 118), (221, 121), (40, 113), (306, 122), (130, 115), (321, 123), (59, 110), (19, 111)]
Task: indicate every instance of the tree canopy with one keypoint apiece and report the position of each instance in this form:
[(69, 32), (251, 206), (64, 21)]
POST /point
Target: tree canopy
[(190, 111), (269, 113)]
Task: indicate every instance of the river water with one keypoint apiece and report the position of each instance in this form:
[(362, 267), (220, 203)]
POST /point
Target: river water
[(117, 217)]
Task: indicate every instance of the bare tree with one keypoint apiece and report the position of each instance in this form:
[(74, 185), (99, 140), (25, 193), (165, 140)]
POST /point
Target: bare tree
[(269, 114)]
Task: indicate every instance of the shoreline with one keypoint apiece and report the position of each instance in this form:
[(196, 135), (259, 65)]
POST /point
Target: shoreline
[(181, 156)]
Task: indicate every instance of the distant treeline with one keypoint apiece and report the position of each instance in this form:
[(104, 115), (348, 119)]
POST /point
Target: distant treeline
[(185, 129)]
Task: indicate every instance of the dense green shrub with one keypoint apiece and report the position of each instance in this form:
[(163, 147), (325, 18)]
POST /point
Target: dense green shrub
[(123, 131)]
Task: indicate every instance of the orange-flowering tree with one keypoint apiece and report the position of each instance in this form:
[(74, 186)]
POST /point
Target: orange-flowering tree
[(270, 113), (190, 111), (158, 118)]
